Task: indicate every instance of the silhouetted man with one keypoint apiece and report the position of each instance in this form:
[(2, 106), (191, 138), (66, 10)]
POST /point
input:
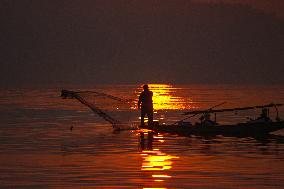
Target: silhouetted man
[(146, 102)]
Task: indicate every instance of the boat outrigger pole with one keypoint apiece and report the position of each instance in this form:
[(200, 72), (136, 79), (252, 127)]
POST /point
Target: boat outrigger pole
[(234, 109), (199, 112), (76, 95)]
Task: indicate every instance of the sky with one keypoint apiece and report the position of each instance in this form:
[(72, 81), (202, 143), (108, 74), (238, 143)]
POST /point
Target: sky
[(86, 42)]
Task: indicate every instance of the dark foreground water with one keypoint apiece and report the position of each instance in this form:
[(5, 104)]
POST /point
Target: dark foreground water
[(39, 150)]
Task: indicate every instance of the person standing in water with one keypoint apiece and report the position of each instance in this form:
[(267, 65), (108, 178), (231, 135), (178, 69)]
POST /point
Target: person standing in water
[(145, 103)]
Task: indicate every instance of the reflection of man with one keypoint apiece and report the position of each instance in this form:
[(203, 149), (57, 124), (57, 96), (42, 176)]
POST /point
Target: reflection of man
[(146, 102)]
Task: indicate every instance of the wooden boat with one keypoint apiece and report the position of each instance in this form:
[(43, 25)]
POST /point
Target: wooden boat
[(241, 129), (263, 125)]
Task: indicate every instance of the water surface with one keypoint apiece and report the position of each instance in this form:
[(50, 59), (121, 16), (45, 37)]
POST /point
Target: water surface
[(39, 150)]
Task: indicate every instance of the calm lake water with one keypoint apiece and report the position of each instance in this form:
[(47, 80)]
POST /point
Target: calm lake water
[(39, 150)]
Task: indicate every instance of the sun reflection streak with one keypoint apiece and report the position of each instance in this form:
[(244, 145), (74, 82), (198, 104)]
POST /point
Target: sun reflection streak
[(161, 176), (165, 97), (157, 180), (156, 162)]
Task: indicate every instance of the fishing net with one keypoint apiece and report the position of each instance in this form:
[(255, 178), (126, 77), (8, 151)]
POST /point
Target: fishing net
[(119, 112)]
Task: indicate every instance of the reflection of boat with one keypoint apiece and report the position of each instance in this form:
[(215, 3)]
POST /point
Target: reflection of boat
[(263, 125)]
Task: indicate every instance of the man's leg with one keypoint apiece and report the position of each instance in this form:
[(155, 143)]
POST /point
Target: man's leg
[(150, 117), (142, 117)]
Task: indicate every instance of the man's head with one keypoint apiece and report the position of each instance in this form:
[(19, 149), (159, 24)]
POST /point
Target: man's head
[(145, 87)]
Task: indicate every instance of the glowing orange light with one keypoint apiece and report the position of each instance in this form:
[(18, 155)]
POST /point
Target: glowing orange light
[(156, 160), (158, 136), (161, 176), (159, 180), (165, 98)]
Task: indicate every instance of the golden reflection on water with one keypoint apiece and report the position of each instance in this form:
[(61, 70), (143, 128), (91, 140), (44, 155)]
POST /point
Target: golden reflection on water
[(155, 162), (165, 97)]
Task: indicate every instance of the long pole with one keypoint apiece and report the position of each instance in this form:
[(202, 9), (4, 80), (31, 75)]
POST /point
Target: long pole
[(199, 113)]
